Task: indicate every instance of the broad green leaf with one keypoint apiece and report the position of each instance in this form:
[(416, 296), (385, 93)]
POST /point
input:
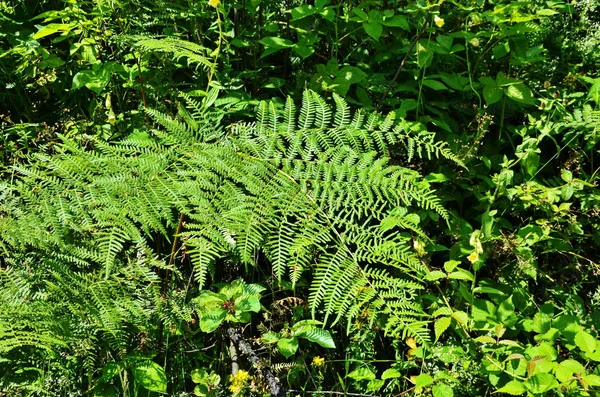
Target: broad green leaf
[(566, 175), (398, 21), (492, 94), (303, 11), (50, 29), (208, 300), (287, 346), (422, 380), (566, 369), (442, 311), (94, 80), (585, 342), (304, 50), (390, 373), (424, 54), (514, 388), (486, 339), (211, 320), (434, 84), (252, 289), (150, 376), (505, 309), (441, 325), (520, 93), (247, 303), (299, 325), (375, 385), (462, 274), (318, 335), (435, 275), (592, 380), (274, 44), (449, 266), (111, 370), (541, 383), (198, 375), (269, 337), (442, 391), (461, 317), (362, 373), (373, 29)]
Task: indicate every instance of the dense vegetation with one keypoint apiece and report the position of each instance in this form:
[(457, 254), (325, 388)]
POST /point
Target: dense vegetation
[(287, 197)]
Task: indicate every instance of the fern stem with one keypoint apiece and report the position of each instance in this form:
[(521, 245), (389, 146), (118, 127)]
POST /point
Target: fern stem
[(172, 256), (142, 90)]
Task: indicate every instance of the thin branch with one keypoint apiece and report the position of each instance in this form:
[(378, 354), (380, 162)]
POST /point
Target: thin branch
[(400, 67), (338, 393)]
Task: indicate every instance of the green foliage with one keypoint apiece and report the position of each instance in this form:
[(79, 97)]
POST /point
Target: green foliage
[(412, 186), (234, 302)]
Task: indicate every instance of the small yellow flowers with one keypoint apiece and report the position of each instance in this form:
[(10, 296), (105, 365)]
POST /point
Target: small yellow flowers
[(474, 257), (214, 3), (474, 42), (438, 21), (318, 361), (239, 381)]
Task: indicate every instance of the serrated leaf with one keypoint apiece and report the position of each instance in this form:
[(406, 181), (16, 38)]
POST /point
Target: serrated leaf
[(486, 339), (441, 325), (514, 356), (435, 275), (508, 342), (541, 383), (585, 342), (592, 380), (461, 317), (514, 388), (442, 311), (375, 385), (449, 266), (462, 274), (572, 365)]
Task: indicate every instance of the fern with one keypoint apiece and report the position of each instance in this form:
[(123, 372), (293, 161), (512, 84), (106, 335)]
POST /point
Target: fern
[(194, 53), (312, 192)]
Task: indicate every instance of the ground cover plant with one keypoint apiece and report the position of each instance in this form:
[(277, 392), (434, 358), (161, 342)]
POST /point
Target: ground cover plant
[(261, 197)]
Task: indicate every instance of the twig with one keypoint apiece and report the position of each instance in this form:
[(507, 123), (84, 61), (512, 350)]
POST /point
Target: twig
[(405, 391), (338, 393), (400, 67)]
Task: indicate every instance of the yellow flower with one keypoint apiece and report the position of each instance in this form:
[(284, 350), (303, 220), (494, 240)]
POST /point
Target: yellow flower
[(214, 3), (474, 42), (474, 257), (318, 361), (239, 381), (438, 21)]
